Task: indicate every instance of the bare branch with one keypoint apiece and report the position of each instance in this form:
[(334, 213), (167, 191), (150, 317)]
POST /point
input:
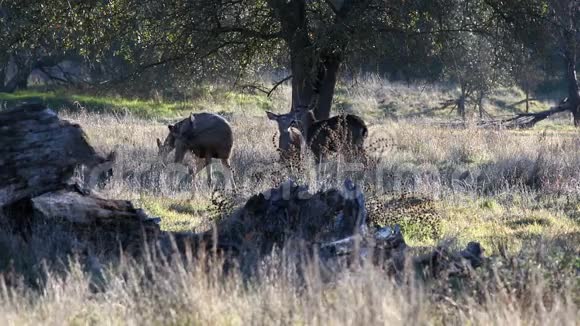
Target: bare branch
[(278, 84), (270, 91)]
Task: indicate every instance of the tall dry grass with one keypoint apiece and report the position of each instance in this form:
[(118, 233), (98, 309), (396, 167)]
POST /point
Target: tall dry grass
[(411, 156), (188, 292)]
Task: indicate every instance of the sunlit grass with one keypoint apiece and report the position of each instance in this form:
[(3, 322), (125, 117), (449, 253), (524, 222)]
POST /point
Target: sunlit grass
[(218, 101), (177, 214), (59, 100), (509, 225)]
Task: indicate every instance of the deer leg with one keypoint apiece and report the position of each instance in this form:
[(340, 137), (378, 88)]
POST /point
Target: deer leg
[(199, 165), (179, 153), (229, 171), (208, 164)]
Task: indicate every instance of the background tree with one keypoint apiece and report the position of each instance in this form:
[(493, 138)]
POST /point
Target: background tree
[(550, 24), (211, 38), (526, 71), (28, 40)]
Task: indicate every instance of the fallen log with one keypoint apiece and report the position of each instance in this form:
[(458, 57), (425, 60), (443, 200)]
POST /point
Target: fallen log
[(519, 121), (38, 156), (332, 223), (290, 212), (528, 120), (39, 152)]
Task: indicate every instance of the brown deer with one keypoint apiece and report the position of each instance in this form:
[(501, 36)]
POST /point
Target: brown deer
[(343, 133), (207, 136), (291, 140)]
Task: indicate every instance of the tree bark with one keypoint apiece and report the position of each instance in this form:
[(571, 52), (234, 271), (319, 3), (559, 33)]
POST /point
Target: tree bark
[(573, 90), (328, 70), (527, 91), (294, 27), (38, 152), (314, 73), (38, 155), (461, 104), (20, 80), (570, 43), (480, 97), (2, 76)]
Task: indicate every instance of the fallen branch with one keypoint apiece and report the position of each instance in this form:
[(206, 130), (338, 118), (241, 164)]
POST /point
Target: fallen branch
[(513, 105), (528, 120)]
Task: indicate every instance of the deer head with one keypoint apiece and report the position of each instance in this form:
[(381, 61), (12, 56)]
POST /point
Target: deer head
[(291, 136), (168, 145)]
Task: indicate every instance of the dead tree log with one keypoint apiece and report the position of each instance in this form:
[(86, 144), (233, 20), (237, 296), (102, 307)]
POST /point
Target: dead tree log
[(332, 223), (38, 156), (39, 152), (528, 120)]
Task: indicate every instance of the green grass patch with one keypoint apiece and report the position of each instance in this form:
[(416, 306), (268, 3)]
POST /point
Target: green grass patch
[(177, 214), (509, 226), (218, 101), (61, 100)]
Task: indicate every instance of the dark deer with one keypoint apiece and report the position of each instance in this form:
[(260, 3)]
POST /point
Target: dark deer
[(207, 136), (343, 133)]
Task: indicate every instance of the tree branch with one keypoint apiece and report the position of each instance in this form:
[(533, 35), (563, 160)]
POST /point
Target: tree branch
[(271, 90), (278, 84)]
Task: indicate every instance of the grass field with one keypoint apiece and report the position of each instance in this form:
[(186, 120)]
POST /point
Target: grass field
[(516, 192)]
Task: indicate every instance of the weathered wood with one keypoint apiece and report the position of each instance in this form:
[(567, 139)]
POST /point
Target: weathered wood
[(39, 152), (78, 208), (334, 223), (110, 223), (528, 120), (38, 156)]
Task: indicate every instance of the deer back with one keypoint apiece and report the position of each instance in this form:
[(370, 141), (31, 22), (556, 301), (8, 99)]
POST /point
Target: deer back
[(337, 132)]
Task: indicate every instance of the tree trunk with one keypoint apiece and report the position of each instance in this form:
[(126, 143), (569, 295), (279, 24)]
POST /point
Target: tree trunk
[(294, 25), (573, 90), (527, 100), (480, 97), (20, 80), (302, 88), (314, 73), (570, 57), (327, 81), (461, 104), (2, 76)]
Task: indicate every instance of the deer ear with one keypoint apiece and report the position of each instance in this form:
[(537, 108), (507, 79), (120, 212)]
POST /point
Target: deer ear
[(272, 116), (159, 144), (112, 157)]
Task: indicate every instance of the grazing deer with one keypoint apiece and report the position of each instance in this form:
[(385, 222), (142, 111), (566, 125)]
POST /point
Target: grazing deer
[(207, 136), (342, 133)]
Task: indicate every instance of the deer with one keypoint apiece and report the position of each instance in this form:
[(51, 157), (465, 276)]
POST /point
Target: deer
[(206, 136), (291, 141), (300, 128)]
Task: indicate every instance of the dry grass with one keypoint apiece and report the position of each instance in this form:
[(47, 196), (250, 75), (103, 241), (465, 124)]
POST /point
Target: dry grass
[(515, 192)]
